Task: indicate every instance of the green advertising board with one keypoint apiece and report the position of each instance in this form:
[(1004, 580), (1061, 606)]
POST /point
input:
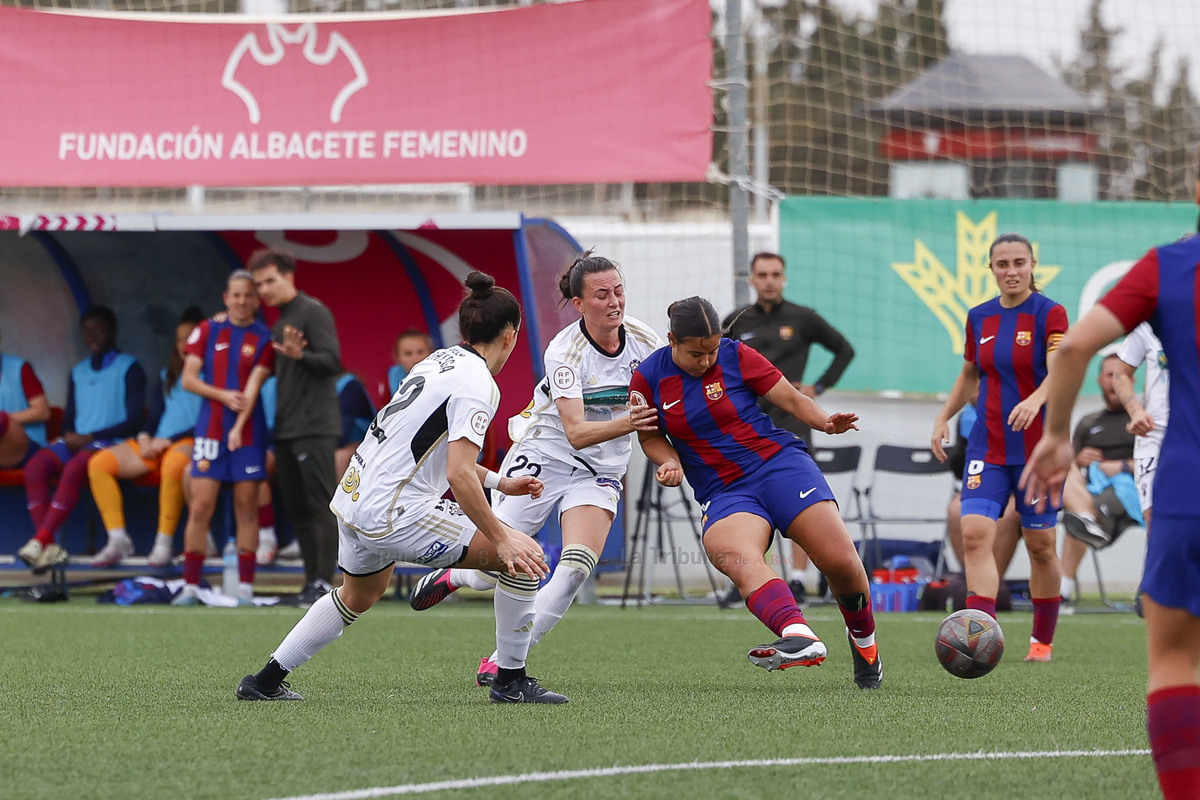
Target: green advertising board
[(897, 277)]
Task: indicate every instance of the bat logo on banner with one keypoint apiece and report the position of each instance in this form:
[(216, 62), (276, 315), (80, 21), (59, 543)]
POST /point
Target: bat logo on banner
[(279, 38)]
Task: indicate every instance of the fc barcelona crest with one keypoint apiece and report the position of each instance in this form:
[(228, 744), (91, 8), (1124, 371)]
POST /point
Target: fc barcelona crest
[(247, 350), (973, 481), (714, 391), (786, 332), (1024, 337)]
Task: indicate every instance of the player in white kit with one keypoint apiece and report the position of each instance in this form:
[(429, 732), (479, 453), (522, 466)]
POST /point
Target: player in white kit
[(390, 504), (575, 436), (1147, 419)]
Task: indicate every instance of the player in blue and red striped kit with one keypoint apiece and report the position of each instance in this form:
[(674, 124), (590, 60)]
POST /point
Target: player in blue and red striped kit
[(750, 478), (227, 361), (1010, 341), (1164, 289)]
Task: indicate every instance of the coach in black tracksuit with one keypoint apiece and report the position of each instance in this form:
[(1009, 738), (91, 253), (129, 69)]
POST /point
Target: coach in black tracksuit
[(307, 417), (783, 332)]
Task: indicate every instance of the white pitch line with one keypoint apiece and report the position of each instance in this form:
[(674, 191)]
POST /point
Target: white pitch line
[(640, 769)]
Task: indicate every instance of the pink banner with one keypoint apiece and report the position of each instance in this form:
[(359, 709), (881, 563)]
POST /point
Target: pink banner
[(594, 91)]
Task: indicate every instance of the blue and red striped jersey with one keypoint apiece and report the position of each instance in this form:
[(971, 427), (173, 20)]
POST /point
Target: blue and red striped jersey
[(714, 422), (1163, 287), (1009, 346), (229, 354)]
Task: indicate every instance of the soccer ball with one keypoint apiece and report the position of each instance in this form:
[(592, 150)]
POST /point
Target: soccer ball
[(969, 643)]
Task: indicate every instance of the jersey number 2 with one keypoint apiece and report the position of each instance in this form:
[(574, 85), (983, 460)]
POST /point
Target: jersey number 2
[(407, 393)]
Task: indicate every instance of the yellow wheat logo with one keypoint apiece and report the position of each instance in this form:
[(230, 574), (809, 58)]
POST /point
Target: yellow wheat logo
[(951, 295)]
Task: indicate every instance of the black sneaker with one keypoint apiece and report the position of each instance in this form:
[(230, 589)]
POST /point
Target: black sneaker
[(431, 590), (1086, 530), (868, 669), (524, 690), (251, 689), (311, 593), (790, 651)]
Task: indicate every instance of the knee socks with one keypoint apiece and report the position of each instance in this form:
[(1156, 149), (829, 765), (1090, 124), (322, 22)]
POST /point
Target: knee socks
[(102, 476), (553, 600), (323, 623)]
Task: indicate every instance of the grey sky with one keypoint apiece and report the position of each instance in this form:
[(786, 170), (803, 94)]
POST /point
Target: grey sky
[(1045, 29)]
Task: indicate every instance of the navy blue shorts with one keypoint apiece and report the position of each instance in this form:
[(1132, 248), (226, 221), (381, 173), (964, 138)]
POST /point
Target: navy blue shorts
[(60, 449), (1172, 576), (777, 491), (987, 487), (211, 458)]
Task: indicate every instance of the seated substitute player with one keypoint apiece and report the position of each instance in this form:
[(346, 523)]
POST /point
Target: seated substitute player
[(23, 412), (227, 361), (411, 346), (752, 478), (1100, 497), (163, 447), (390, 505), (574, 436), (106, 399), (357, 411)]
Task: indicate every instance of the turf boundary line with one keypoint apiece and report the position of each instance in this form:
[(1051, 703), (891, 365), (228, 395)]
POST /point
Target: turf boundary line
[(639, 769)]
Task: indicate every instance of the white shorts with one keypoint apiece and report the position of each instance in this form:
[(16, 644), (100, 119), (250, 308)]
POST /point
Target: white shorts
[(437, 537), (567, 485), (1145, 457)]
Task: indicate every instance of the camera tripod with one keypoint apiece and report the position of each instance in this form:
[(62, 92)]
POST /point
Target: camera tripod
[(654, 506)]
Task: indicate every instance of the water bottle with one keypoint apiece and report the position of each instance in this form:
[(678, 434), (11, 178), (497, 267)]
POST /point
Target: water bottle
[(229, 578)]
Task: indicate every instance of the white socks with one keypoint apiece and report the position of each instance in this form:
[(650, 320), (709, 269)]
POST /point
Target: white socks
[(800, 629), (475, 579), (553, 600), (514, 619), (323, 623)]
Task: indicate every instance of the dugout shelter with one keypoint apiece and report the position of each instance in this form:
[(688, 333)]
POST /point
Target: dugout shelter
[(379, 273)]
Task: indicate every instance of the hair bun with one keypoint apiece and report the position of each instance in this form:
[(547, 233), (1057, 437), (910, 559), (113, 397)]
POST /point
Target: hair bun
[(480, 283)]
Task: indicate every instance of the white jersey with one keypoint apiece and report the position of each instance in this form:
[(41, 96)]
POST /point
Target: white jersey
[(400, 467), (1142, 346), (576, 367)]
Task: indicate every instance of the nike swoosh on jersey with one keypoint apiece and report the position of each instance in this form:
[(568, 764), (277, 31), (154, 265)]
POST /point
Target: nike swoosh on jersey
[(986, 339), (807, 492), (222, 346), (672, 405)]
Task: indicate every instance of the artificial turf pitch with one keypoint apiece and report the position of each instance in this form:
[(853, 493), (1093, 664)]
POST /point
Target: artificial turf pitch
[(138, 702)]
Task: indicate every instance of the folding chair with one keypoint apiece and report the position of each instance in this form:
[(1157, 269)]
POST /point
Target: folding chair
[(910, 485)]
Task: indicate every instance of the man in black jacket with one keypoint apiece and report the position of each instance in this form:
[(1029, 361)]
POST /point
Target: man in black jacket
[(307, 417), (784, 332)]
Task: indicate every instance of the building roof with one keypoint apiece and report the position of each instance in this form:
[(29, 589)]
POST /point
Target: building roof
[(983, 88)]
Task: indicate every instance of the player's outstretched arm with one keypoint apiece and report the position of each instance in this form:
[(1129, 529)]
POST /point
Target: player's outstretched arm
[(519, 485), (581, 433), (518, 552), (804, 408)]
